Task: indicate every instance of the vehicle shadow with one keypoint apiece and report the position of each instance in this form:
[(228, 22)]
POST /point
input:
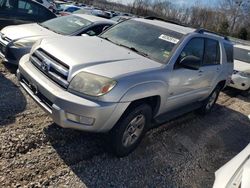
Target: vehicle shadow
[(10, 67), (232, 92), (12, 100), (184, 152)]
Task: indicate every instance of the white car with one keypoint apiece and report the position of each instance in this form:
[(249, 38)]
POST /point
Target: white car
[(235, 173), (241, 76), (49, 4)]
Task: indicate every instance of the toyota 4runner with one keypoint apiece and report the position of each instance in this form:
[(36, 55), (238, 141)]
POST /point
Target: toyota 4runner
[(137, 74)]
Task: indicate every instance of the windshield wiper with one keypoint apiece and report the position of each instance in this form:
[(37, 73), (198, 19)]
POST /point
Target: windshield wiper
[(130, 48), (134, 50)]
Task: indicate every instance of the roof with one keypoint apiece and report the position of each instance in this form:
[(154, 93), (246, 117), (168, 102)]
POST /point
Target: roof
[(181, 29), (93, 18)]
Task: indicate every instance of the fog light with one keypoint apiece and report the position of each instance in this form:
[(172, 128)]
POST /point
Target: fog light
[(80, 119)]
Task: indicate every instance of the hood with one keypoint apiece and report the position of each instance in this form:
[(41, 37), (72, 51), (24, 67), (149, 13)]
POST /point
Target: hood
[(241, 66), (97, 56), (236, 170), (26, 30)]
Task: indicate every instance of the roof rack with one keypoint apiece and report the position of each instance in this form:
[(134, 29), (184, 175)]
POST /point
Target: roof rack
[(202, 31), (164, 20)]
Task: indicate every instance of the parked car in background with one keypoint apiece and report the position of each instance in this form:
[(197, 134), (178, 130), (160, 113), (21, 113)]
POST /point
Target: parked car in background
[(235, 173), (68, 9), (49, 4), (60, 5), (137, 74), (120, 18), (241, 76), (13, 44), (13, 12)]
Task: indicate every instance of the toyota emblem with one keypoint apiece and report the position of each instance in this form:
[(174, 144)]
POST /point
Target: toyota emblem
[(45, 66)]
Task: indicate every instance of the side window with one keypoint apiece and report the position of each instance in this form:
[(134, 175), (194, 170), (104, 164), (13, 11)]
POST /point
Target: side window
[(229, 52), (25, 7), (212, 52), (8, 4), (31, 8), (195, 48)]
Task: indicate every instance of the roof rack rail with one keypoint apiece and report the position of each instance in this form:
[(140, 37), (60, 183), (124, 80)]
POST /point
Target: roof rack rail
[(202, 31), (164, 20)]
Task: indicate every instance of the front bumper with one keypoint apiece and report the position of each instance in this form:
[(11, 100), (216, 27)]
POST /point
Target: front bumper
[(57, 102), (240, 82)]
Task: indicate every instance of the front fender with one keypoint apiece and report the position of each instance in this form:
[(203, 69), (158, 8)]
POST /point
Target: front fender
[(144, 90)]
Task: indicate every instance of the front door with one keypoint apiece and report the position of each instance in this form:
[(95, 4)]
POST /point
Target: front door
[(187, 85)]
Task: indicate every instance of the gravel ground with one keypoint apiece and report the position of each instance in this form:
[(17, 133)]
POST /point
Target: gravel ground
[(185, 152)]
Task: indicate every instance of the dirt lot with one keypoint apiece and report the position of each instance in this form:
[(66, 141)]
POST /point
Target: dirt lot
[(185, 152)]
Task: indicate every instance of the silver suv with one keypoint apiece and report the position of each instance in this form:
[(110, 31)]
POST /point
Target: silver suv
[(137, 74)]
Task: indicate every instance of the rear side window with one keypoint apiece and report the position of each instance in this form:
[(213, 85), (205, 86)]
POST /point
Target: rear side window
[(212, 52), (229, 52)]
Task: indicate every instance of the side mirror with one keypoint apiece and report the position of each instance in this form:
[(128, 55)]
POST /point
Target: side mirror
[(91, 33), (105, 28), (190, 62)]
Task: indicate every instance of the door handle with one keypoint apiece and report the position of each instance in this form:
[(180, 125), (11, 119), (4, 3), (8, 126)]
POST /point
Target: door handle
[(200, 72)]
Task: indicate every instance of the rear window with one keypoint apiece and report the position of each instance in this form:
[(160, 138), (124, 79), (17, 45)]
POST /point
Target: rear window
[(242, 54), (229, 52)]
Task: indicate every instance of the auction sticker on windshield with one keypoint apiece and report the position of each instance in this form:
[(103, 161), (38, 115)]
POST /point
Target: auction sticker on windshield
[(169, 39)]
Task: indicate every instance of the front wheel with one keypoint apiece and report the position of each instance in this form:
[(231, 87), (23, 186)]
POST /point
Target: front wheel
[(130, 129), (209, 103)]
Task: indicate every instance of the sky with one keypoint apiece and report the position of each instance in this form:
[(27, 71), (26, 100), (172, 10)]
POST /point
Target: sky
[(210, 3)]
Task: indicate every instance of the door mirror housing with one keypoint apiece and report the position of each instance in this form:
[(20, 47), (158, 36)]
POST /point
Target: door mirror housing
[(190, 62), (91, 33)]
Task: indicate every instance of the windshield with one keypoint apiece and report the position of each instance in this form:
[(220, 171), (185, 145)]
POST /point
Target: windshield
[(242, 54), (66, 25), (153, 41)]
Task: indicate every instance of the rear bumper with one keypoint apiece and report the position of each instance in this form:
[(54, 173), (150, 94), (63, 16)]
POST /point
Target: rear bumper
[(58, 102), (240, 82)]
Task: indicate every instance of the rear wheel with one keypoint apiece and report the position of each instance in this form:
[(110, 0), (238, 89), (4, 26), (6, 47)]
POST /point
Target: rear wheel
[(130, 129), (209, 103)]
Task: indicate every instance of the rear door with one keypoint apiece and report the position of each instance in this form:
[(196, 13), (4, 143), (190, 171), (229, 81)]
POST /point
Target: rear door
[(211, 65)]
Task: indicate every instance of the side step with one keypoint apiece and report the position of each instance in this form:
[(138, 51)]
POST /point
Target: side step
[(163, 118)]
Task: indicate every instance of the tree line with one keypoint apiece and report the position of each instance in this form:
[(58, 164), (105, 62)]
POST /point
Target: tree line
[(228, 17)]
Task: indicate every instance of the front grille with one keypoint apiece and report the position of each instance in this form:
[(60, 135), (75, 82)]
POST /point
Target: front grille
[(51, 67)]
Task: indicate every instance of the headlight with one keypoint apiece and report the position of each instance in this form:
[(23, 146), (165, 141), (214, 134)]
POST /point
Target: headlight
[(26, 42), (91, 84)]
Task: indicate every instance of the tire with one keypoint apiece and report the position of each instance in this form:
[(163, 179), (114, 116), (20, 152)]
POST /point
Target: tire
[(209, 103), (130, 129)]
